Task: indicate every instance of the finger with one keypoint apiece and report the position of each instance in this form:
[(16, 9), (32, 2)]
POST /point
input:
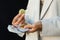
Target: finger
[(29, 26), (14, 25), (15, 18), (22, 22), (18, 15), (32, 30), (20, 19)]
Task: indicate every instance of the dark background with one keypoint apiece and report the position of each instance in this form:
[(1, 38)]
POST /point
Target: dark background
[(8, 9)]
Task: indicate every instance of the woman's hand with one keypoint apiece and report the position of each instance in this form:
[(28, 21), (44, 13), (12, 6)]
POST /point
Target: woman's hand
[(34, 27), (19, 18)]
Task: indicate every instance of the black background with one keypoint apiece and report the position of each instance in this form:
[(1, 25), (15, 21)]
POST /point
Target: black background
[(8, 9)]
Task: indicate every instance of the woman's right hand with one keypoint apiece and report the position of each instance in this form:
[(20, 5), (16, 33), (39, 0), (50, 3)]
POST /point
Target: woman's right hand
[(18, 19)]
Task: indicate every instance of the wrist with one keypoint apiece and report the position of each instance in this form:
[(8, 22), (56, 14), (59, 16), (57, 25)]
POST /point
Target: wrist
[(39, 25)]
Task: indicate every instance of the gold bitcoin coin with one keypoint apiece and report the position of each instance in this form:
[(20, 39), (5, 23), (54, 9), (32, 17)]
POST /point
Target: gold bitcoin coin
[(22, 11)]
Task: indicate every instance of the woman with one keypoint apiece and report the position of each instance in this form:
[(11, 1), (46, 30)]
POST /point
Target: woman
[(46, 22)]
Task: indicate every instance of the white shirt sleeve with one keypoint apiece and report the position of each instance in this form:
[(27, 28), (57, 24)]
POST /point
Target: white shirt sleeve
[(51, 27)]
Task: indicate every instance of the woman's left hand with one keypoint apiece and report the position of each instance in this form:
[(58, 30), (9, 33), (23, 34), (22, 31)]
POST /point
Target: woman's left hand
[(34, 27)]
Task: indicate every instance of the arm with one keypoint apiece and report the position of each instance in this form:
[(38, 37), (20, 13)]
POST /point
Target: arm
[(47, 27)]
